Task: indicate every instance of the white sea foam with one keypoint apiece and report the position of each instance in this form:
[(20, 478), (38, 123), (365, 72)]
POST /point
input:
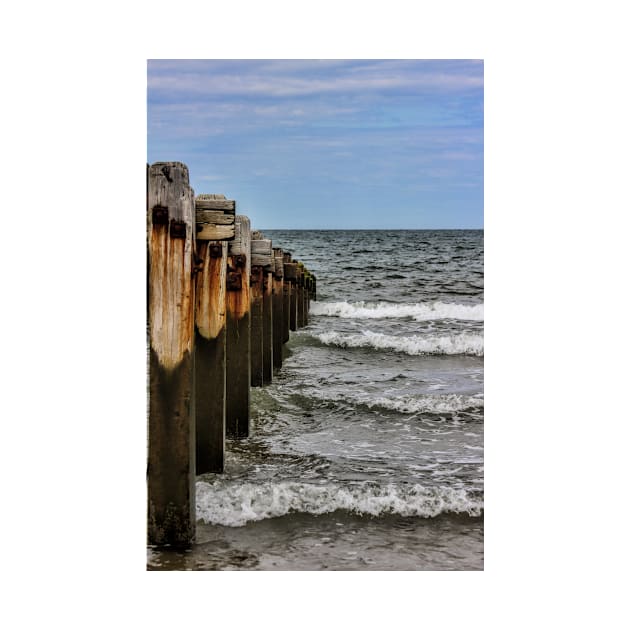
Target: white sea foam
[(385, 310), (235, 503), (447, 403), (459, 343)]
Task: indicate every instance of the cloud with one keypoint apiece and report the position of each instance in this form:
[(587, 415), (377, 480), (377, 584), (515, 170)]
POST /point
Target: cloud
[(459, 155), (199, 99), (201, 119), (292, 86), (283, 79)]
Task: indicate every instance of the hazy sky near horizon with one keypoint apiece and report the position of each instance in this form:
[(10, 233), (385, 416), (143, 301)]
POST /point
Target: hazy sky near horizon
[(349, 144)]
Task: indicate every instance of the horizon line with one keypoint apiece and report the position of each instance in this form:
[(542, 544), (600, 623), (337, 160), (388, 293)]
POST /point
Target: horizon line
[(374, 229)]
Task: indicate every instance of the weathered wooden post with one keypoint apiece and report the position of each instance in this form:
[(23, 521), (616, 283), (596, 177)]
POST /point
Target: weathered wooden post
[(300, 298), (256, 325), (286, 301), (238, 365), (278, 300), (268, 324), (290, 273), (307, 287), (215, 224), (171, 301), (260, 258)]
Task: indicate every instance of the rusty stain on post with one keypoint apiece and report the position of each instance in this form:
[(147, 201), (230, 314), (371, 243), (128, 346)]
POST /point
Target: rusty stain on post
[(170, 275), (211, 289)]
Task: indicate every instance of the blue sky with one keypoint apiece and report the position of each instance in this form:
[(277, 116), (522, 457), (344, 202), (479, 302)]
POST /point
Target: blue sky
[(350, 144)]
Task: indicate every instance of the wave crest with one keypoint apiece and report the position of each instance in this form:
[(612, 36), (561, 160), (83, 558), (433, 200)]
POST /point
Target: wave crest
[(460, 343), (385, 310), (436, 404), (235, 504)]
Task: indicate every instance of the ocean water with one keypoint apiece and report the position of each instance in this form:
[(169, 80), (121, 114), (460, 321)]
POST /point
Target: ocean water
[(366, 451)]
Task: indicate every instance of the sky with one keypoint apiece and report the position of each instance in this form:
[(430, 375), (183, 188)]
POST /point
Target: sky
[(326, 144)]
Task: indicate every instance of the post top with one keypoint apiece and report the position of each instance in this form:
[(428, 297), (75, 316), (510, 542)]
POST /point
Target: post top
[(160, 166), (210, 196)]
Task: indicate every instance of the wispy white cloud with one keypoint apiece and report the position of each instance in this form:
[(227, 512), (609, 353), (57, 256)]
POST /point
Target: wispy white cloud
[(287, 78), (202, 119), (280, 66), (280, 86), (459, 155)]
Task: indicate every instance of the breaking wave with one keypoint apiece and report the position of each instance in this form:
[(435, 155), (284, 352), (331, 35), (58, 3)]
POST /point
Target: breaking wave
[(386, 310), (235, 504), (459, 343), (444, 403)]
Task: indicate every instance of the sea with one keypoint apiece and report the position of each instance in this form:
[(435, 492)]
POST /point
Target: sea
[(366, 451)]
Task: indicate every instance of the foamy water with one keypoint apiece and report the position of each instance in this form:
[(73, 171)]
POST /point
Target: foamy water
[(385, 310), (235, 504), (436, 404), (458, 343)]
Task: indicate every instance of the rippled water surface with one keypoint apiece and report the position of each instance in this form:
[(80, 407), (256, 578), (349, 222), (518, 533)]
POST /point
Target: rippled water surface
[(366, 451)]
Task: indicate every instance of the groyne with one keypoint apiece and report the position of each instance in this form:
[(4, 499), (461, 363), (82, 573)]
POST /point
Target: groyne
[(221, 304)]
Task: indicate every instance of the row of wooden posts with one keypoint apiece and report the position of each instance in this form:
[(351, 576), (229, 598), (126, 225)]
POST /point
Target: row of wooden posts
[(221, 302)]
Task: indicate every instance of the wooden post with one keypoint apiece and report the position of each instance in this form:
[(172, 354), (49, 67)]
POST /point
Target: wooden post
[(171, 299), (290, 275), (210, 329), (256, 307), (261, 258), (286, 301), (278, 300), (306, 295), (268, 325), (300, 298), (238, 364)]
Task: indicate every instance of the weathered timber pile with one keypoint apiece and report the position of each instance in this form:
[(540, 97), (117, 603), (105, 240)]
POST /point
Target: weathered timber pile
[(221, 303)]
